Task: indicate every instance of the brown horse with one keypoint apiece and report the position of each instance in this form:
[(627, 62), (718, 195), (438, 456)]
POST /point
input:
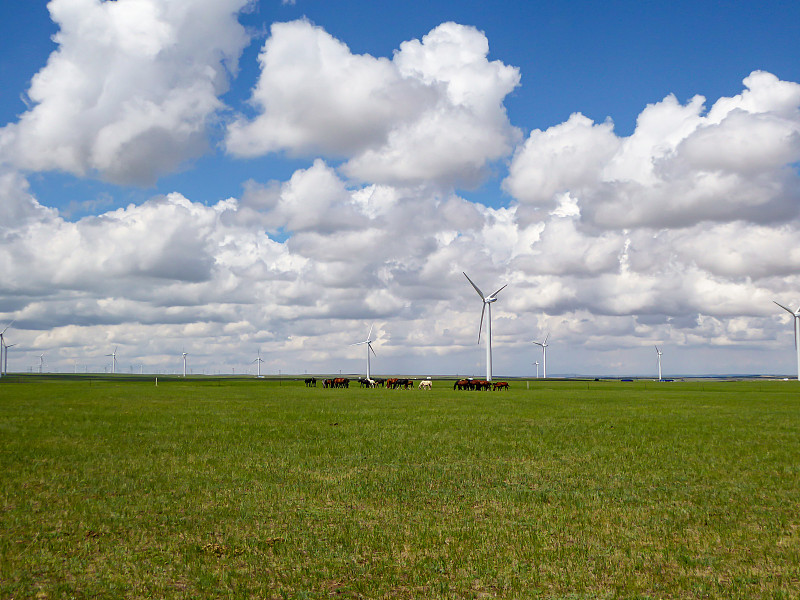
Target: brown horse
[(500, 385)]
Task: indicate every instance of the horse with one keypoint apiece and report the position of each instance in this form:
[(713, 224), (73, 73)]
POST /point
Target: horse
[(462, 384), (311, 381), (500, 385), (425, 384), (341, 382)]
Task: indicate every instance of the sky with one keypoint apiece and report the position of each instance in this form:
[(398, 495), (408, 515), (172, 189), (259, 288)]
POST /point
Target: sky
[(234, 179)]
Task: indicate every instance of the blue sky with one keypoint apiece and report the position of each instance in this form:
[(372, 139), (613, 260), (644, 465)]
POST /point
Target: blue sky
[(606, 61)]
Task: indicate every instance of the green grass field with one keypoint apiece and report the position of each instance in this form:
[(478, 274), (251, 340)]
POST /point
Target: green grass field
[(251, 489)]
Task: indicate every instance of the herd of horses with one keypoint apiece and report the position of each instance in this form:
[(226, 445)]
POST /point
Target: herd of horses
[(396, 383), (479, 384)]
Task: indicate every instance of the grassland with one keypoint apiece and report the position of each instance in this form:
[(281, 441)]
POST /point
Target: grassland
[(251, 489)]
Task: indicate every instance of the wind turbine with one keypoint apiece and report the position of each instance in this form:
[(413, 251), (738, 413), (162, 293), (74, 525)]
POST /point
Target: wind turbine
[(184, 354), (659, 362), (258, 362), (113, 356), (537, 369), (3, 348), (487, 301), (544, 346), (4, 365), (796, 315), (368, 342), (41, 363)]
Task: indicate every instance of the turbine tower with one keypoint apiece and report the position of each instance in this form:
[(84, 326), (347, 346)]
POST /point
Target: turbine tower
[(368, 342), (4, 349), (544, 346), (537, 369), (113, 356), (41, 363), (258, 362), (796, 315), (487, 301), (184, 354), (659, 362)]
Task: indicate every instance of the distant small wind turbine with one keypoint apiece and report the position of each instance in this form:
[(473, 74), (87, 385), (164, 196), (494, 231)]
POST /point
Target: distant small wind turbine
[(537, 369), (368, 342), (659, 363), (258, 362), (41, 363), (184, 354), (4, 367), (113, 356), (487, 301), (3, 351), (544, 346), (796, 315)]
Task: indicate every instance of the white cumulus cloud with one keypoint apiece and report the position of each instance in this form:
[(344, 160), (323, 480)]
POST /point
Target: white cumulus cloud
[(130, 91), (433, 113)]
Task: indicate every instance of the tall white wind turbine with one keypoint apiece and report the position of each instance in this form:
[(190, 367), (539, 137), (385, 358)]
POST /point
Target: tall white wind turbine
[(258, 362), (113, 356), (659, 352), (3, 348), (544, 346), (368, 342), (184, 354), (537, 369), (487, 301), (796, 315)]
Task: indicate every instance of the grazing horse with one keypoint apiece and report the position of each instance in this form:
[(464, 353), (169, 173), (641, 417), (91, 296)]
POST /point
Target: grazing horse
[(311, 381), (483, 385), (341, 382), (500, 385), (462, 384), (426, 384), (327, 383), (379, 382)]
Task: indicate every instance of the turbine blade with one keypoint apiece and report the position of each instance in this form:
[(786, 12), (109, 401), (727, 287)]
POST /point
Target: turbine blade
[(498, 291), (477, 289), (369, 335), (480, 327), (371, 348), (791, 312), (7, 326), (546, 338)]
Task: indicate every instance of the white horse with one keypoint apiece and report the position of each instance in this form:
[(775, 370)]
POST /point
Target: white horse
[(426, 384)]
